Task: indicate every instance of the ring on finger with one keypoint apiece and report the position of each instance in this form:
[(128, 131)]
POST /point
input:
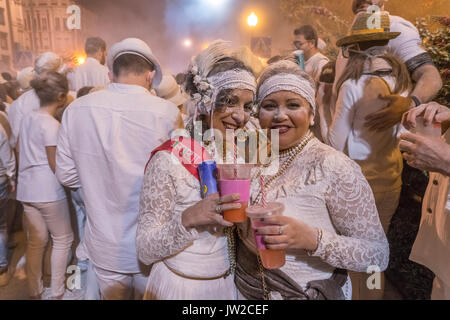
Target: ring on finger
[(219, 209), (280, 232)]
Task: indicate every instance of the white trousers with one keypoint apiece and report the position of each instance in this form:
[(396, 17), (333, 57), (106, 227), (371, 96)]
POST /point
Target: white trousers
[(120, 286), (42, 218)]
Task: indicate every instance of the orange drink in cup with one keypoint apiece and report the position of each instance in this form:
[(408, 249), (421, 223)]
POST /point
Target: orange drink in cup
[(235, 178), (271, 259)]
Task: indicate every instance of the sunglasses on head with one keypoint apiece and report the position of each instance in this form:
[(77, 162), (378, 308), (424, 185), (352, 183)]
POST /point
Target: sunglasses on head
[(350, 48)]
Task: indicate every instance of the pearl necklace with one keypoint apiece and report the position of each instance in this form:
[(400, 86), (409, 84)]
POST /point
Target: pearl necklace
[(290, 154)]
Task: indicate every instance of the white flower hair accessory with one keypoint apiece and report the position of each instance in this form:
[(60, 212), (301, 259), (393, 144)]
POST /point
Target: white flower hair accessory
[(208, 88)]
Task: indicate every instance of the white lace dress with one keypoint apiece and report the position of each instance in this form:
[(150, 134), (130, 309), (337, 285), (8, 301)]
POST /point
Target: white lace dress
[(325, 189), (186, 264)]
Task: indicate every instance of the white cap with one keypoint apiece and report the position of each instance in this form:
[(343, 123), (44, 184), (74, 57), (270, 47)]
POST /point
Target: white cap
[(137, 47)]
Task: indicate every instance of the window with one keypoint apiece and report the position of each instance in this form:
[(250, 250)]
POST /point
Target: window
[(29, 26), (2, 16), (57, 24), (4, 40), (44, 24), (6, 60)]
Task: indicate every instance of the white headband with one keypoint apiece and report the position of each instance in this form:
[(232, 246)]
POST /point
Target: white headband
[(289, 82), (231, 79)]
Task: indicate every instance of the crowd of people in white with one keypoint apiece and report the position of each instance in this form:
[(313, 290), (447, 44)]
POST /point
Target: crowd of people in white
[(87, 139)]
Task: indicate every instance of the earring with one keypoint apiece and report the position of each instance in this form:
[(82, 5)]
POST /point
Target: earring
[(311, 123)]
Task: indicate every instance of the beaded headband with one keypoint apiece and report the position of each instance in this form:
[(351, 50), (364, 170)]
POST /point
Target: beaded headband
[(212, 86), (289, 82)]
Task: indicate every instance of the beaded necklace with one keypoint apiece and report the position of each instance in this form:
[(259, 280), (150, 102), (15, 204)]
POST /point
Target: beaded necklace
[(290, 155)]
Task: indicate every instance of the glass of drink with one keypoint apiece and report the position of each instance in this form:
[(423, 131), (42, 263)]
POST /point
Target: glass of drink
[(271, 259), (235, 178), (430, 130)]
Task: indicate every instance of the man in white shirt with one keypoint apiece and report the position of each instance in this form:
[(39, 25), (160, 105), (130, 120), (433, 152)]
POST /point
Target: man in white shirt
[(104, 143), (408, 49), (306, 39), (432, 245), (93, 72)]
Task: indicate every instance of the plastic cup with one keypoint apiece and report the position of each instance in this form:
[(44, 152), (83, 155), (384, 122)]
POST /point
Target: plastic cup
[(271, 259), (235, 178), (431, 130), (300, 56)]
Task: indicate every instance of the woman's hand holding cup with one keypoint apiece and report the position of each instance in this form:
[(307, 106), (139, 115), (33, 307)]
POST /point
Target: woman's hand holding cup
[(284, 232), (209, 211)]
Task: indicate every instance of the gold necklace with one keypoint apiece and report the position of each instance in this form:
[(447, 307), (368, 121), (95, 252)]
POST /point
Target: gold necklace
[(292, 153)]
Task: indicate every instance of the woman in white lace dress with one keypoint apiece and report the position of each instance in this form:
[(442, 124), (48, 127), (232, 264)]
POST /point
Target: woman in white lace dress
[(330, 223), (178, 232)]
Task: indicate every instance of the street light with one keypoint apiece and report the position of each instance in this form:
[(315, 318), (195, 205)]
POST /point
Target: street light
[(80, 59), (215, 3), (252, 20), (187, 43)]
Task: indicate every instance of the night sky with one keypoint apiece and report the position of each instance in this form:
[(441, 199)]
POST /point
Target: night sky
[(164, 24)]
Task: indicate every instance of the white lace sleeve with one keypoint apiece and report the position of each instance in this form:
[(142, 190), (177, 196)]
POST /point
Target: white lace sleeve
[(360, 241), (160, 232)]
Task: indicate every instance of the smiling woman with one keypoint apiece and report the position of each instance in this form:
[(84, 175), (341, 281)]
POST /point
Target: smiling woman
[(330, 222), (178, 232), (289, 113)]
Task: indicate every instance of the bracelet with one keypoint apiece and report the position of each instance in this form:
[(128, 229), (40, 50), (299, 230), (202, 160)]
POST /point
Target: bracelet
[(416, 100), (319, 239)]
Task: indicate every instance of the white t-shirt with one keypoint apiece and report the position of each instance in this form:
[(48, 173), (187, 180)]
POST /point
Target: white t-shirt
[(37, 182), (91, 73), (23, 105), (315, 64)]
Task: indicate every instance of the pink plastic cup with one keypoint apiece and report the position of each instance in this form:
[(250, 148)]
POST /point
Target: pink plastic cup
[(235, 178), (271, 259)]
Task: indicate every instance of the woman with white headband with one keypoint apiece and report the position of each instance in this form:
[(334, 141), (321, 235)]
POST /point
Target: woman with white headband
[(178, 232), (330, 222)]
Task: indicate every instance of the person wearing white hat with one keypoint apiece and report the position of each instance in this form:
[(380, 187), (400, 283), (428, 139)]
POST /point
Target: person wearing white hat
[(104, 143), (29, 101), (93, 72), (169, 89)]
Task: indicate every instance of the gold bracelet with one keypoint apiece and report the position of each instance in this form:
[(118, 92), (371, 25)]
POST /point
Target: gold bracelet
[(319, 239)]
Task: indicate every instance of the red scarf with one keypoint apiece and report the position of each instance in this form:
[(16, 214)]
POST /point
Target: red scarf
[(188, 151)]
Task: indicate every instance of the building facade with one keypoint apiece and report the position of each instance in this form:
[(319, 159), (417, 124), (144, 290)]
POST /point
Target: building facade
[(31, 27)]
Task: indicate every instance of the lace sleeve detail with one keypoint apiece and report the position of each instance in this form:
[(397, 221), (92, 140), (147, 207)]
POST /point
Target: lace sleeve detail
[(360, 241), (160, 232)]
